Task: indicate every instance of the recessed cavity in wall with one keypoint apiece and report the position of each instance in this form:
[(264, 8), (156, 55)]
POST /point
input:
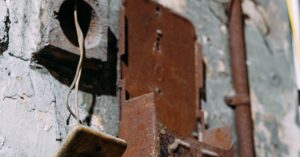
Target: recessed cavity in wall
[(93, 20), (67, 22), (98, 77), (157, 11), (159, 36)]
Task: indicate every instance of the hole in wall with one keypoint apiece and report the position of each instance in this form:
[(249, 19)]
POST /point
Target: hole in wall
[(157, 11), (159, 36), (98, 77), (158, 91), (65, 16)]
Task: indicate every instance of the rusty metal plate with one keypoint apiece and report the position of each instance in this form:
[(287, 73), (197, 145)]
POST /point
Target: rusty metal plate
[(218, 137), (139, 127), (216, 143), (146, 136), (160, 55), (200, 149)]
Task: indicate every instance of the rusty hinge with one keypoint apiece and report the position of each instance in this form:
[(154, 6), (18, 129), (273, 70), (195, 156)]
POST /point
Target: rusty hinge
[(161, 78)]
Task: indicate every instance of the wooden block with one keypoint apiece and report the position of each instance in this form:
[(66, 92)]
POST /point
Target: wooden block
[(86, 142)]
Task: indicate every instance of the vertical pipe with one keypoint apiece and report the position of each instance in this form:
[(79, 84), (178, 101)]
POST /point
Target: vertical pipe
[(244, 124)]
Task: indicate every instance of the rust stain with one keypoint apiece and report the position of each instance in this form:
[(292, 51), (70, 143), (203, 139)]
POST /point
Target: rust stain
[(139, 128)]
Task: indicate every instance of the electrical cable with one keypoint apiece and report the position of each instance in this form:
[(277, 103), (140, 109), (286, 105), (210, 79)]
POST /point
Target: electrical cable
[(78, 69)]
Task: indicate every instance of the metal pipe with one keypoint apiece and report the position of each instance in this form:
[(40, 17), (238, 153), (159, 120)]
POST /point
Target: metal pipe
[(244, 124)]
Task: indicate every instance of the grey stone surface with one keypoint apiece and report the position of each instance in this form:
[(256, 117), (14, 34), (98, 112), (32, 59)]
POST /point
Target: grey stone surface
[(272, 80), (210, 22), (33, 116), (270, 65)]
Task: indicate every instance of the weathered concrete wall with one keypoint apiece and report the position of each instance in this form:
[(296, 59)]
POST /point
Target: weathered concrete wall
[(270, 65), (33, 116), (32, 101), (272, 80)]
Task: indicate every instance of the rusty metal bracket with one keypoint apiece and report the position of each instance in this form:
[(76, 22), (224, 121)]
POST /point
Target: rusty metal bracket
[(161, 78), (147, 136), (238, 99)]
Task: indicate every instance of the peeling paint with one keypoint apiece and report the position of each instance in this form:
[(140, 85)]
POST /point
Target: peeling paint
[(45, 119), (97, 122), (176, 5), (256, 15), (221, 67), (224, 29)]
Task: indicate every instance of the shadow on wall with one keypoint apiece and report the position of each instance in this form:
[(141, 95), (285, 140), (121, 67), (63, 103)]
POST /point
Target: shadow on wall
[(5, 39), (97, 77)]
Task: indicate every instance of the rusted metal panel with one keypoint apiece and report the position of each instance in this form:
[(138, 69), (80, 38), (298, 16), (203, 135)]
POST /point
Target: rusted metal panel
[(195, 149), (161, 74), (139, 127), (218, 137), (147, 136), (244, 124), (160, 52)]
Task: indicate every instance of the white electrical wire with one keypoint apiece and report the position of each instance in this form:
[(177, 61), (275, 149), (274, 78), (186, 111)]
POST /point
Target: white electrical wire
[(78, 70)]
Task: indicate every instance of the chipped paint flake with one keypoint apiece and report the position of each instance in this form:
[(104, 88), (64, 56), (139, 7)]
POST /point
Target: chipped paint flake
[(45, 119), (176, 5), (97, 122), (221, 67), (256, 16)]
